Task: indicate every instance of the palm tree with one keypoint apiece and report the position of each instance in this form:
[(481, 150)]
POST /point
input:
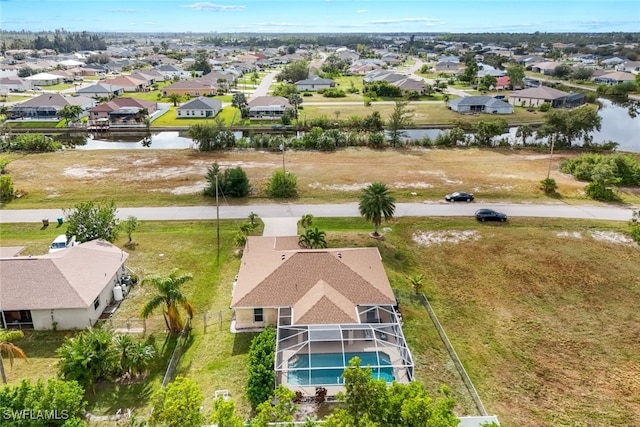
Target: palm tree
[(313, 239), (171, 298), (306, 221), (416, 282), (10, 348), (70, 113), (175, 98), (295, 100), (376, 203)]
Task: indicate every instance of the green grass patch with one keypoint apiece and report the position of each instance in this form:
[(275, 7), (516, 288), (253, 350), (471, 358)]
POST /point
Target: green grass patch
[(34, 124), (59, 86), (170, 118)]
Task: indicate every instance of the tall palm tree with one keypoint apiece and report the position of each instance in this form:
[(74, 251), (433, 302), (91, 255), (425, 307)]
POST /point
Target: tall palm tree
[(12, 350), (313, 239), (170, 298), (175, 98), (376, 203), (306, 221)]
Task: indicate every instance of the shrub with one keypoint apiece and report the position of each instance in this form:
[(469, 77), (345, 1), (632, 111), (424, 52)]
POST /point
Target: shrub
[(599, 191), (4, 162), (7, 193), (232, 182), (34, 142), (545, 107), (548, 185), (334, 93), (282, 185), (261, 374)]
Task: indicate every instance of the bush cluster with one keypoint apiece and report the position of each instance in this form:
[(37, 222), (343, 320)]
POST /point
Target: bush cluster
[(262, 354), (625, 167)]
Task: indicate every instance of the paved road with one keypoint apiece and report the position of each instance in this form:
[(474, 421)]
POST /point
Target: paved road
[(289, 210), (263, 87)]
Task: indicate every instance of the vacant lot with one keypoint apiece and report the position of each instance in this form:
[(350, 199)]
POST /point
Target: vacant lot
[(176, 177), (543, 313)]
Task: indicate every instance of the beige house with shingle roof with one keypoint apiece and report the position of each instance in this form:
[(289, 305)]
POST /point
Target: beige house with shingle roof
[(70, 288), (328, 305)]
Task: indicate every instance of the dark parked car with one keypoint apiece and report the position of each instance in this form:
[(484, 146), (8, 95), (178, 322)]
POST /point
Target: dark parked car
[(490, 215), (459, 196)]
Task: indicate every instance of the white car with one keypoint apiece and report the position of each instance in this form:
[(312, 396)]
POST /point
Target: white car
[(61, 242)]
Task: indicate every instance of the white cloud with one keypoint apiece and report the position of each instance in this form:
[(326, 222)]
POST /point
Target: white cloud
[(212, 7), (362, 11), (279, 24), (397, 21), (121, 10)]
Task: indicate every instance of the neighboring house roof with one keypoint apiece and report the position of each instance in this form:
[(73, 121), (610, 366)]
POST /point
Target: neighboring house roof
[(488, 101), (541, 92), (55, 100), (321, 285), (264, 101), (502, 81), (315, 80), (410, 84), (125, 81), (44, 76), (98, 88), (70, 278), (619, 76), (118, 103), (190, 85), (201, 103)]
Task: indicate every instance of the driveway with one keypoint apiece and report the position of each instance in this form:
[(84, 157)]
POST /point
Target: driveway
[(263, 88)]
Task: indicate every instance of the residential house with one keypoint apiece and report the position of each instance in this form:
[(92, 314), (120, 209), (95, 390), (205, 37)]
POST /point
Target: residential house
[(502, 83), (128, 83), (632, 67), (68, 289), (45, 79), (535, 97), (388, 76), (171, 72), (611, 62), (615, 78), (47, 105), (190, 88), (14, 84), (546, 68), (314, 83), (268, 107), (100, 90), (122, 112), (410, 85), (480, 104), (200, 107), (328, 305)]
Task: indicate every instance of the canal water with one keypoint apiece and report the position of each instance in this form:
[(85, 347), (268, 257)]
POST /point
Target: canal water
[(617, 125)]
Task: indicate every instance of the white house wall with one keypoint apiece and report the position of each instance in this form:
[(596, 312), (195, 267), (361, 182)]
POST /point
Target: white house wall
[(68, 318), (196, 113)]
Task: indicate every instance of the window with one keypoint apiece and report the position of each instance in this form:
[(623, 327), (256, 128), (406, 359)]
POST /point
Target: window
[(96, 303), (258, 315)]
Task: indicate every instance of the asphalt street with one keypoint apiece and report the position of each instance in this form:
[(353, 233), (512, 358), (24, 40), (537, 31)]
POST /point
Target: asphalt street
[(290, 210)]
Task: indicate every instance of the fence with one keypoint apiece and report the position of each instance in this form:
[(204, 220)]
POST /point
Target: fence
[(452, 353)]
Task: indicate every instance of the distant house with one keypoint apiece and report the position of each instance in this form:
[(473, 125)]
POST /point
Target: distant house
[(480, 104), (100, 90), (502, 83), (535, 97), (546, 68), (47, 105), (122, 112), (614, 78), (612, 62), (170, 71), (387, 76), (190, 88), (314, 83), (68, 289), (410, 85), (200, 107), (447, 66), (268, 107), (14, 84), (630, 67), (45, 79), (128, 83)]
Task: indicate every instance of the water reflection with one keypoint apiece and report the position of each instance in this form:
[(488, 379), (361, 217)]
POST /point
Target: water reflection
[(158, 140)]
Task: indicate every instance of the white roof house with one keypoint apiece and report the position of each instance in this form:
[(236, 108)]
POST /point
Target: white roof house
[(69, 288)]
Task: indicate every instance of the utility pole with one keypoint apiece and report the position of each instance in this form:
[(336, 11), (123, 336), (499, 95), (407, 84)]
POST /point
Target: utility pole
[(217, 224), (553, 140)]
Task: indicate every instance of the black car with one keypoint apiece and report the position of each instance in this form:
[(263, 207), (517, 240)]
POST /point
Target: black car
[(490, 215), (459, 196)]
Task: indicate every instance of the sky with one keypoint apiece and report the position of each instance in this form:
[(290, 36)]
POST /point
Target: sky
[(322, 16)]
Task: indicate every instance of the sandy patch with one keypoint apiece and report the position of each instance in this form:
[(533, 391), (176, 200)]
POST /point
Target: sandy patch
[(412, 185), (428, 238), (441, 176), (196, 188), (87, 172), (611, 237), (336, 187), (573, 234)]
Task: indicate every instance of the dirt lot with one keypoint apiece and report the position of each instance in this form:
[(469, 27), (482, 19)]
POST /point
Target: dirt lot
[(177, 177)]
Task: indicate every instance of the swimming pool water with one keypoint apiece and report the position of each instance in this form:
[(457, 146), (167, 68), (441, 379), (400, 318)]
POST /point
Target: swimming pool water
[(303, 368)]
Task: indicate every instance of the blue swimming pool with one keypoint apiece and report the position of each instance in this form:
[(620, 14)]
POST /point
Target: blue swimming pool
[(327, 368)]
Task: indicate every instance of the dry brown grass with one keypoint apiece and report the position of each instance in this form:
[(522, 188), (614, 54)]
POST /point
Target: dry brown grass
[(176, 177)]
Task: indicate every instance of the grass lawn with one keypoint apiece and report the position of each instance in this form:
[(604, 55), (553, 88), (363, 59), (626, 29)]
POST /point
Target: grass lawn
[(543, 322), (14, 98), (170, 118), (60, 86), (176, 177), (34, 124)]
